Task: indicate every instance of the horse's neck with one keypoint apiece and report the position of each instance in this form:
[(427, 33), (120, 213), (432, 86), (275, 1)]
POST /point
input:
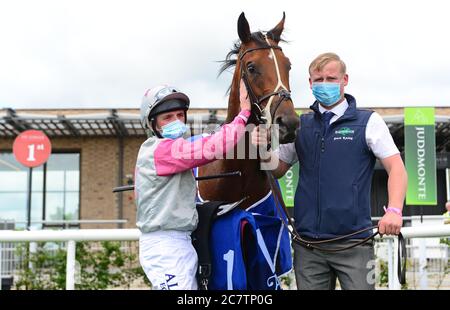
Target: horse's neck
[(252, 182)]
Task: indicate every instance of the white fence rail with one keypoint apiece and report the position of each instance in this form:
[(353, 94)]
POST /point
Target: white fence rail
[(432, 231), (73, 236)]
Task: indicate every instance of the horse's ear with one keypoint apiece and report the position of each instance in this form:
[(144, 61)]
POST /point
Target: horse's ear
[(243, 28), (275, 33)]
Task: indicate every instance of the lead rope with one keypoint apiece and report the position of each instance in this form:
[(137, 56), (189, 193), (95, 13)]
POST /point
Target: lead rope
[(281, 207), (401, 266), (266, 118)]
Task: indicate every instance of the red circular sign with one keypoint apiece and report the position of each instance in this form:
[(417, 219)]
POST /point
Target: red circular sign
[(32, 148)]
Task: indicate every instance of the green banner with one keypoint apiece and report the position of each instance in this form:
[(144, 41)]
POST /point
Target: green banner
[(288, 184), (420, 156)]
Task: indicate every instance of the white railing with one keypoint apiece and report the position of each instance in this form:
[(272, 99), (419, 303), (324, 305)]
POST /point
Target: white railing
[(65, 222), (72, 236), (434, 231)]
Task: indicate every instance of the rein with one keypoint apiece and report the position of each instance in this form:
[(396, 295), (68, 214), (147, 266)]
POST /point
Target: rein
[(279, 202), (264, 116)]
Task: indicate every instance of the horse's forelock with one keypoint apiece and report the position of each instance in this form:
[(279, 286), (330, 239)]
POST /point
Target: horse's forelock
[(230, 59)]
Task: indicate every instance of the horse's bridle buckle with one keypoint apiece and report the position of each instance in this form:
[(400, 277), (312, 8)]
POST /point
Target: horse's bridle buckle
[(284, 93)]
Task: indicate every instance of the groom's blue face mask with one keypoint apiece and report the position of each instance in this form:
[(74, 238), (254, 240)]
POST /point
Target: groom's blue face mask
[(327, 93)]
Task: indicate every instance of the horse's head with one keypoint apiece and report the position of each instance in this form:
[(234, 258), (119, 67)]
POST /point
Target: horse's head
[(265, 70)]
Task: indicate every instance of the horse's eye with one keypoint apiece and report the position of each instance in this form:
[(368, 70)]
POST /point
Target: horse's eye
[(251, 68)]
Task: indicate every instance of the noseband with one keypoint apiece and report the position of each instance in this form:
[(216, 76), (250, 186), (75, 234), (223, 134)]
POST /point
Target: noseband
[(263, 115)]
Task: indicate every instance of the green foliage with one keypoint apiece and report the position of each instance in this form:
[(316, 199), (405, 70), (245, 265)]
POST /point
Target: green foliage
[(445, 241), (446, 270), (286, 280), (38, 270), (101, 268), (383, 279), (384, 274)]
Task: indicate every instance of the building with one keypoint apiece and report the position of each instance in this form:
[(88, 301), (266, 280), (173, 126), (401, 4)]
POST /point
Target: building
[(94, 150)]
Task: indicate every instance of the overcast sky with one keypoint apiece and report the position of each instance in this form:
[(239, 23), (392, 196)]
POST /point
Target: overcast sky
[(78, 54)]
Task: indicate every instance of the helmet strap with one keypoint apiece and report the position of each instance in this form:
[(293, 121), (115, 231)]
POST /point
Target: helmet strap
[(153, 127)]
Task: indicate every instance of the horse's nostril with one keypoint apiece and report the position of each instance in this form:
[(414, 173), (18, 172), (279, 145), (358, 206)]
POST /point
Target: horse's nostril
[(289, 123), (279, 121), (292, 123)]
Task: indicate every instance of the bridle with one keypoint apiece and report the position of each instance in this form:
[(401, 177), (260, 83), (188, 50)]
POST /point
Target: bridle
[(263, 115)]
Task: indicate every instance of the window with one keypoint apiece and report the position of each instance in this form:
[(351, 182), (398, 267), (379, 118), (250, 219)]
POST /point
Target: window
[(62, 187), (55, 189)]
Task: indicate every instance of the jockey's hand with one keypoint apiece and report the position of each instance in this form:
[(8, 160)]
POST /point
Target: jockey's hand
[(243, 97), (260, 137), (390, 224)]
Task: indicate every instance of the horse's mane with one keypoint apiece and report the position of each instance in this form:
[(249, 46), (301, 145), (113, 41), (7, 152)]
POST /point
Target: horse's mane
[(230, 60)]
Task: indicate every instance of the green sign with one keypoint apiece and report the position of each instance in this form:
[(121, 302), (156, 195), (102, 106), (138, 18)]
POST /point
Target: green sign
[(420, 156), (288, 185)]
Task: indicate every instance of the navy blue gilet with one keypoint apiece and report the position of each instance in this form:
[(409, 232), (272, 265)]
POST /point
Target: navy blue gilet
[(333, 192)]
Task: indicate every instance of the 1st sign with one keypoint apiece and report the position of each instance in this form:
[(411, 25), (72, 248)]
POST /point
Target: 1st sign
[(32, 148)]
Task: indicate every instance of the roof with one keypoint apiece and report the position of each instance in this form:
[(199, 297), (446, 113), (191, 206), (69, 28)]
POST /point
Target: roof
[(104, 123), (123, 123), (442, 129)]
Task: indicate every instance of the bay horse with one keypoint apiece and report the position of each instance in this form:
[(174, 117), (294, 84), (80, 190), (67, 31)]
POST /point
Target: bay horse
[(261, 63)]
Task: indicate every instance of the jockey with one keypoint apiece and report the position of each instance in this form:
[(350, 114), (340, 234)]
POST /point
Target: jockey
[(165, 187)]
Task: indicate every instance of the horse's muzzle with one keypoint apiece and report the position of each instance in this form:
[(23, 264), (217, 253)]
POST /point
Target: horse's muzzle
[(287, 126)]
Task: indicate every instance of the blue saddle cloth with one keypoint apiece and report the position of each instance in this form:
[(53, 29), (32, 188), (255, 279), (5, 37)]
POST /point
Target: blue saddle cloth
[(250, 248)]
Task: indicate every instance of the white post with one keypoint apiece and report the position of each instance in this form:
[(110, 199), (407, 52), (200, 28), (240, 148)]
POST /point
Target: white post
[(70, 265), (423, 264), (390, 257), (393, 261), (395, 279), (1, 278), (33, 249), (447, 174)]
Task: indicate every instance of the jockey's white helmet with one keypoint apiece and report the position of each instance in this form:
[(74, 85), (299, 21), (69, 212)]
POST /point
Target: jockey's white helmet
[(160, 99)]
